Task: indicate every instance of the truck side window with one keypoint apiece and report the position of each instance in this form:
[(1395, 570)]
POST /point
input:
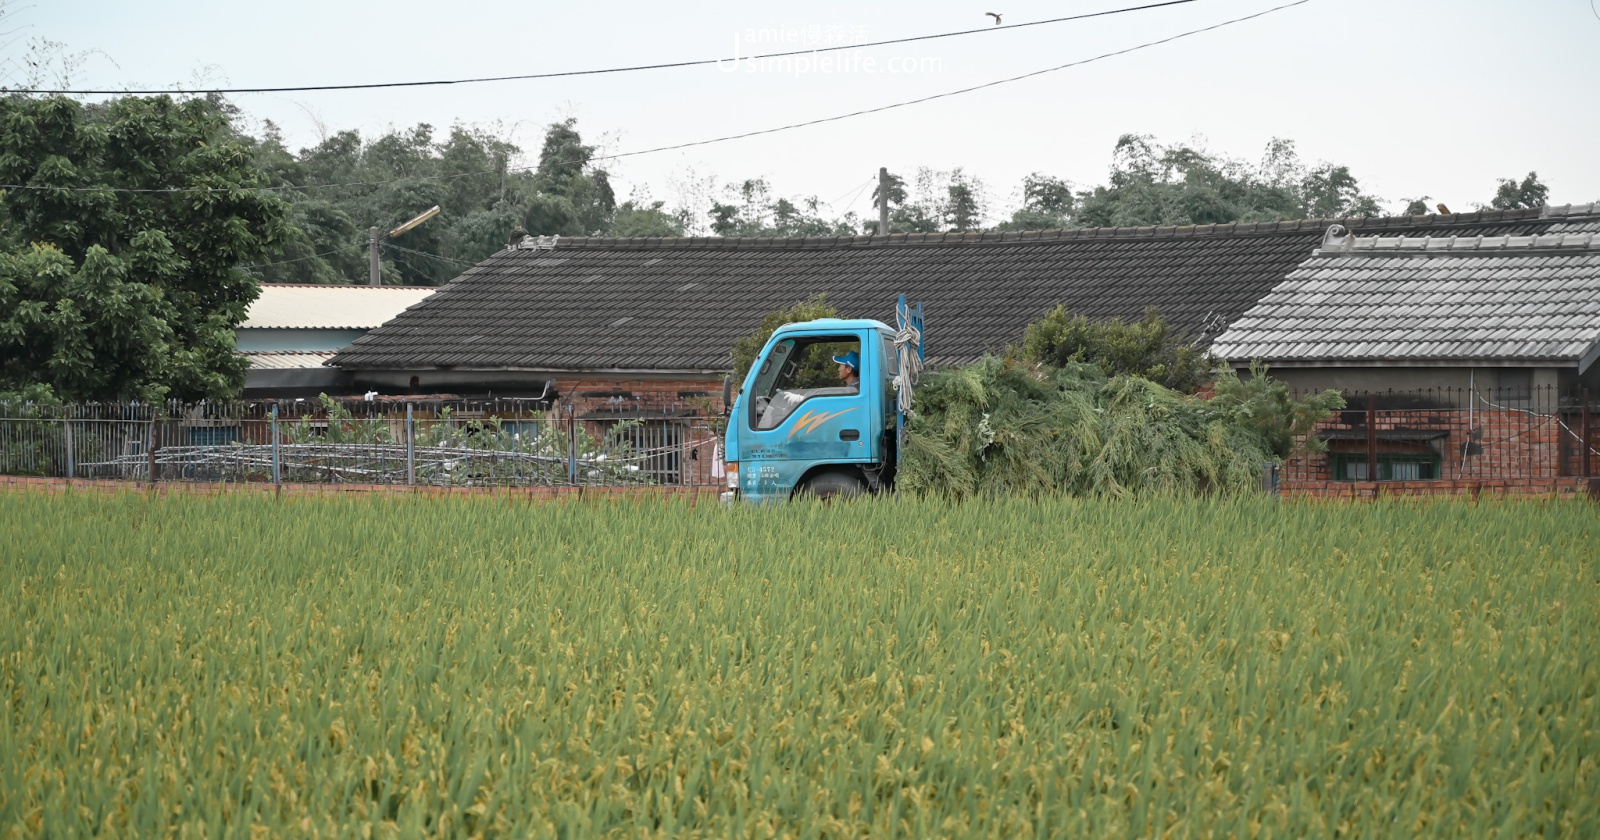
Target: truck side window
[(796, 370)]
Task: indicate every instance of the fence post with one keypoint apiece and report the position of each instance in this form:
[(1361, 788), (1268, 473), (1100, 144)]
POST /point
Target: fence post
[(277, 470), (66, 425), (1269, 478), (572, 445), (1588, 432), (1372, 437), (411, 447)]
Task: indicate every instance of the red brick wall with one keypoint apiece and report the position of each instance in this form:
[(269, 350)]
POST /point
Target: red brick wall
[(589, 394), (693, 405), (1521, 452)]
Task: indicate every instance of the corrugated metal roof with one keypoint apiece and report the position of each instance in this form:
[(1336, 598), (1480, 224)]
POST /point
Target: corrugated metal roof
[(312, 307), (287, 359)]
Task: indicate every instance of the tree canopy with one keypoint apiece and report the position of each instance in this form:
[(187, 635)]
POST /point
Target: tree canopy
[(475, 177), (119, 263), (1526, 195), (485, 189), (1155, 184)]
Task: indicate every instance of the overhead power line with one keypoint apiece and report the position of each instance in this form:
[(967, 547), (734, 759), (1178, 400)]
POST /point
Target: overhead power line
[(694, 143), (394, 247), (948, 94), (302, 259), (610, 70)]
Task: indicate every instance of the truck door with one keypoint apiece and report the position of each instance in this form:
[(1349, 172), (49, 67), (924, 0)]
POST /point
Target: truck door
[(799, 413)]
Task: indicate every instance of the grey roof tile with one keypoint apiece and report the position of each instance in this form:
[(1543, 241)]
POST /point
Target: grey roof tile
[(688, 299), (1513, 297)]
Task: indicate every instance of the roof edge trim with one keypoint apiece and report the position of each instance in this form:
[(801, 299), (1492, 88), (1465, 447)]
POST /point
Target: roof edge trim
[(1367, 223), (554, 371), (1403, 361), (1589, 358)]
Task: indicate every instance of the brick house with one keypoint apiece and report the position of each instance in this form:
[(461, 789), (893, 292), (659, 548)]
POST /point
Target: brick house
[(592, 315), (1465, 359), (641, 329)]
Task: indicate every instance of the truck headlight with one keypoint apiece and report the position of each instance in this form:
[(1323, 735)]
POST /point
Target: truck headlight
[(733, 475)]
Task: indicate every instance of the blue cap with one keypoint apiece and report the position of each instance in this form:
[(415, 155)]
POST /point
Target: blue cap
[(852, 358)]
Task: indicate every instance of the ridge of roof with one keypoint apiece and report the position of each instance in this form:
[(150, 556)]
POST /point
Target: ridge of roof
[(1455, 220), (1412, 246), (342, 286), (1565, 210)]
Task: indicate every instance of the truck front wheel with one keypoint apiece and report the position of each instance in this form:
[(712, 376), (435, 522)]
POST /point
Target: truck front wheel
[(831, 485)]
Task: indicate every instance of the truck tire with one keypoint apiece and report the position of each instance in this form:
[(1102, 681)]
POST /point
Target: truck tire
[(832, 485)]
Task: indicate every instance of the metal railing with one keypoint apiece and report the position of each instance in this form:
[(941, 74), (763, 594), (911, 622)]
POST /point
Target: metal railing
[(1445, 434), (1438, 434), (458, 443)]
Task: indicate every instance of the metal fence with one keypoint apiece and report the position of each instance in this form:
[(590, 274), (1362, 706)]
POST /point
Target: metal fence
[(1431, 435), (507, 443), (1454, 434)]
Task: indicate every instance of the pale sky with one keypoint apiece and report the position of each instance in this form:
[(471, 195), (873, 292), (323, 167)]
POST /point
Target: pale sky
[(1418, 97)]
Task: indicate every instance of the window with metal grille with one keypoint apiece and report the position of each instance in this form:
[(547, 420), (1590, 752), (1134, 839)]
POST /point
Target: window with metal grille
[(1353, 466)]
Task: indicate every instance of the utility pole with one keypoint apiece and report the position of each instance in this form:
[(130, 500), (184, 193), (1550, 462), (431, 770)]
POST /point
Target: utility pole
[(374, 267), (883, 200)]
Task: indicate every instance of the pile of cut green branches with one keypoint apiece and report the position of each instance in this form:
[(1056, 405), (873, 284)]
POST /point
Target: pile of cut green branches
[(1006, 426)]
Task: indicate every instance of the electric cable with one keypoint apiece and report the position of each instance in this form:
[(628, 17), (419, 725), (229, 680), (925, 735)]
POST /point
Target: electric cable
[(857, 196), (302, 259), (948, 94), (695, 143), (856, 190), (426, 254), (605, 70)]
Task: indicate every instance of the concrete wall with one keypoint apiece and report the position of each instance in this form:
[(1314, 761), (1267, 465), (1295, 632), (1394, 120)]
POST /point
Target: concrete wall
[(1353, 379)]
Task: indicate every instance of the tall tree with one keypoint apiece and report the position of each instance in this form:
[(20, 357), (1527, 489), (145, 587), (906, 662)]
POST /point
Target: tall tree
[(1047, 203), (964, 202), (473, 174), (1154, 184), (577, 196), (114, 281), (644, 218), (934, 201), (753, 210), (1528, 194)]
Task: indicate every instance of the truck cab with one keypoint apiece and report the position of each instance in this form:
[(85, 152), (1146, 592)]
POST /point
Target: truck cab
[(796, 426)]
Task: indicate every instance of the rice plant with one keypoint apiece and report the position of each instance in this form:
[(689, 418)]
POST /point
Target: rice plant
[(396, 666)]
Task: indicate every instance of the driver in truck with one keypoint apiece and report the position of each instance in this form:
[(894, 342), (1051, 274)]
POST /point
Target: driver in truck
[(850, 370)]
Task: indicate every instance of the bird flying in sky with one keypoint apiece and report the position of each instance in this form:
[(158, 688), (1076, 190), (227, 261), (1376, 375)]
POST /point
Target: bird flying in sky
[(995, 16)]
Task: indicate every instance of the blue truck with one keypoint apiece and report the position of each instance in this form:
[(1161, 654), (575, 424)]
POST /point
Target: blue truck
[(795, 427)]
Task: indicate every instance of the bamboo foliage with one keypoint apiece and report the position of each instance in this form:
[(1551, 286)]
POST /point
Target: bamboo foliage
[(1002, 426)]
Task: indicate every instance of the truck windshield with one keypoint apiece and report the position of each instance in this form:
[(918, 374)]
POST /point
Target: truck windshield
[(796, 370)]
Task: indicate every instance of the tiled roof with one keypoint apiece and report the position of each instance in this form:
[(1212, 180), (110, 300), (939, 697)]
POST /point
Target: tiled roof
[(313, 307), (1477, 299), (287, 359), (655, 304)]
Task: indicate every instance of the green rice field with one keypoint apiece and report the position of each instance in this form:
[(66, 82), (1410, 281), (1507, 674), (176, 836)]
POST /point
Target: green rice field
[(394, 666)]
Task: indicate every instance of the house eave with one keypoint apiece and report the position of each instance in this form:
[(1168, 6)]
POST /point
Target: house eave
[(1288, 364), (542, 371), (1589, 358)]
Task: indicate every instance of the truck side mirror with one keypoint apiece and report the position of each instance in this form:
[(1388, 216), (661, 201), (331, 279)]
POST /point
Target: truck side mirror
[(727, 394)]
